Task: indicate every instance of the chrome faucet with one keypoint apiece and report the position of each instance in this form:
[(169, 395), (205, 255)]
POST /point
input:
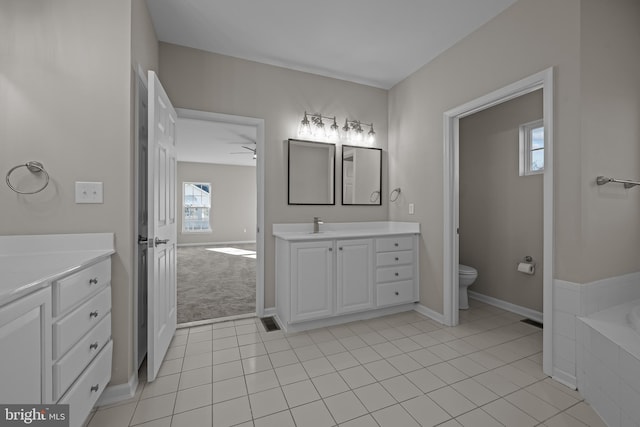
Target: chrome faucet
[(316, 224)]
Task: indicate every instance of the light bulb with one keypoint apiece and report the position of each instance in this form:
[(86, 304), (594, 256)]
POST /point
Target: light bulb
[(334, 131), (371, 136), (305, 127)]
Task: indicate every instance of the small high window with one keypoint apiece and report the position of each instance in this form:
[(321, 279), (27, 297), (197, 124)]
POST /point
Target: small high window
[(532, 148), (196, 202)]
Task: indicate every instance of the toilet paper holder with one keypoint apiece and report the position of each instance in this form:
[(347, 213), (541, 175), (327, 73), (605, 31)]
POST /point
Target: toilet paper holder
[(527, 266)]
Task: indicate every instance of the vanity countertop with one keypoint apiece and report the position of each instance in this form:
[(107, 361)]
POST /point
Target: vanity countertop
[(29, 263), (344, 230)]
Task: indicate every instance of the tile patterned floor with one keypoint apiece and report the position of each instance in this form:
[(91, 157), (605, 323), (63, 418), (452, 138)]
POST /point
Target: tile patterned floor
[(398, 371)]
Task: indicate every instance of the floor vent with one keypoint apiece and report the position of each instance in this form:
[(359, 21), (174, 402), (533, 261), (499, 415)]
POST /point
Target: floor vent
[(532, 322), (270, 324)]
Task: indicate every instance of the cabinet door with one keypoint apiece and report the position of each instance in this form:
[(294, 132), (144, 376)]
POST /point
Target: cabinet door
[(355, 275), (311, 280), (25, 349)]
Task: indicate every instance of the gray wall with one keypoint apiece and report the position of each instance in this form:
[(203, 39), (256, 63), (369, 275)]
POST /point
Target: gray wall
[(500, 211), (205, 81), (593, 49), (233, 202)]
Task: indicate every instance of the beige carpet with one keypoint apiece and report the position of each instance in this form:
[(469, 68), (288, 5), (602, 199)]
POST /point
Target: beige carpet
[(215, 284)]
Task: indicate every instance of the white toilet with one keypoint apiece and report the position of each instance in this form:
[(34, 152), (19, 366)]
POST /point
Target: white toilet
[(466, 276)]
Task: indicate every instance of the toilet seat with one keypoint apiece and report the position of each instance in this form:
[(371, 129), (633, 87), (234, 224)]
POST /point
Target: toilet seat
[(466, 270)]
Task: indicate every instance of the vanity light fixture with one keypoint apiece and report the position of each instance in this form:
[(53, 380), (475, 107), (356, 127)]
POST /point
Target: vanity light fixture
[(312, 126)]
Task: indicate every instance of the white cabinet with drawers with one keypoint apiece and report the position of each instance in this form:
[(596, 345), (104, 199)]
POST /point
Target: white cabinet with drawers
[(322, 279), (55, 320)]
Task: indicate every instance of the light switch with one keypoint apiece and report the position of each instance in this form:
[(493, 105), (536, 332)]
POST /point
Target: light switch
[(89, 192), (411, 209)]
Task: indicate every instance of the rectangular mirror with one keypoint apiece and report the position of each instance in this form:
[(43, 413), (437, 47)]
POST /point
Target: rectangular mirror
[(311, 173), (361, 175)]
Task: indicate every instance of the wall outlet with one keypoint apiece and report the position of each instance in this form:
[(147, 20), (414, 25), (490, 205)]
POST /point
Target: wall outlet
[(89, 192), (411, 209)]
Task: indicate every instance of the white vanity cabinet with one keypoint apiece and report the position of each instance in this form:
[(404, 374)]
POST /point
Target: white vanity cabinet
[(311, 270), (55, 320), (25, 349), (326, 279), (354, 275)]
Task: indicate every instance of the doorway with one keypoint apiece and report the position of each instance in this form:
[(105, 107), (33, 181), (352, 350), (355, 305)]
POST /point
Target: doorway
[(217, 218), (140, 286), (542, 80)]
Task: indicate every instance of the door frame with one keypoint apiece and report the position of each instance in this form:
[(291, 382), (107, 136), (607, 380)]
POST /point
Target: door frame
[(541, 80), (258, 124)]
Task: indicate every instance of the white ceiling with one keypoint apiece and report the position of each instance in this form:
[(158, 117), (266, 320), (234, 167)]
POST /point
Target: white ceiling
[(204, 141), (377, 43)]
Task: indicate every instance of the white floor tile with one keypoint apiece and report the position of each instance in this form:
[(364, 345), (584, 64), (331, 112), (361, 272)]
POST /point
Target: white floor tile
[(225, 371), (261, 381), (154, 408), (223, 343), (478, 418), (468, 366), (552, 395), (452, 401), (308, 352), (374, 397), (394, 416), (342, 361), (532, 405), (406, 344), (231, 412), (496, 383), (365, 355), (280, 419), (364, 421), (283, 358), (381, 370), (425, 411), (345, 406), (331, 347), (300, 393), (115, 416), (404, 363), (162, 385), (267, 402), (475, 392), (291, 373), (227, 355), (424, 357), (317, 367), (508, 414), (197, 361), (447, 373), (357, 376), (564, 420), (586, 414), (425, 380), (200, 417), (252, 365), (313, 414), (228, 389), (193, 398), (401, 388), (330, 384), (252, 350)]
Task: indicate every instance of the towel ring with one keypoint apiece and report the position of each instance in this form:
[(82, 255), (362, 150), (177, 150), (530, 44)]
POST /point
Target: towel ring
[(395, 191), (34, 167), (375, 196)]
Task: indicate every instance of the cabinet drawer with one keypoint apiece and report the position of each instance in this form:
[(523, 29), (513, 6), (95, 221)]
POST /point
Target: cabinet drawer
[(388, 244), (74, 325), (84, 393), (72, 289), (390, 274), (67, 369), (384, 259), (395, 293)]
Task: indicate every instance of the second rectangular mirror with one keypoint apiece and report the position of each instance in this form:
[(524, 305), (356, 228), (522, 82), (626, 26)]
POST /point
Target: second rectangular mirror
[(361, 175)]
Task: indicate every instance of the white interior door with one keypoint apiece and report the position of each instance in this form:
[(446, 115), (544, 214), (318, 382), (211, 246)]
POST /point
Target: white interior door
[(162, 230)]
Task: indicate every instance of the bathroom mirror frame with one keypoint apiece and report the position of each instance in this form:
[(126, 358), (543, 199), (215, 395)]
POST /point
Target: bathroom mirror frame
[(371, 196), (311, 173)]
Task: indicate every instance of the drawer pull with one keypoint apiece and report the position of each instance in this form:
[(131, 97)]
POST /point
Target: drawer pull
[(330, 249), (397, 274), (397, 293), (93, 346), (95, 387), (93, 314), (396, 244), (397, 259), (93, 281), (340, 248)]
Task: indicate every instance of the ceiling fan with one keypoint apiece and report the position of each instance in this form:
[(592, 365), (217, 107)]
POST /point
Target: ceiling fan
[(250, 149)]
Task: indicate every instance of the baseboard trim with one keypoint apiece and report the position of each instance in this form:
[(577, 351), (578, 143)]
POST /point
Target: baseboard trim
[(271, 311), (517, 309), (119, 392), (237, 242), (431, 314), (345, 318), (565, 379), (216, 320)]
